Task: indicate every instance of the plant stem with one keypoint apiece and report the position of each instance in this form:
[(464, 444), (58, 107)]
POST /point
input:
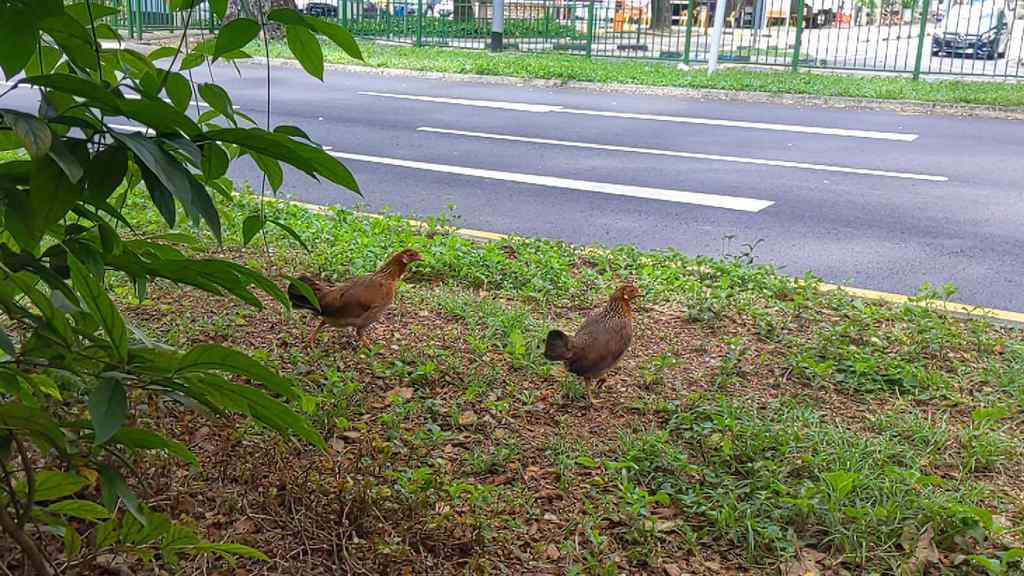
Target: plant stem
[(32, 552)]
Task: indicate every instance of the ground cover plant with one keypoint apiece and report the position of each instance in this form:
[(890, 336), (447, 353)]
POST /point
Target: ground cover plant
[(757, 423), (568, 67)]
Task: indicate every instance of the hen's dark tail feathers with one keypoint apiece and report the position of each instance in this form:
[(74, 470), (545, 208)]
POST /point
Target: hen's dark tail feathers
[(557, 346), (298, 299)]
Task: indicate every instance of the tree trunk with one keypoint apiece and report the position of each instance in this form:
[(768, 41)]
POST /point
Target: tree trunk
[(238, 9), (251, 8), (661, 15)]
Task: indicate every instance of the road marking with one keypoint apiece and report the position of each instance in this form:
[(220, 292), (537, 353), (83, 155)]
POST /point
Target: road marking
[(694, 155), (544, 108), (517, 106), (1007, 316), (697, 198)]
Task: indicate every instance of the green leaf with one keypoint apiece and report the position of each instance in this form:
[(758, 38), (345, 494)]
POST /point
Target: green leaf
[(182, 5), (293, 131), (109, 238), (15, 416), (341, 37), (172, 177), (30, 214), (306, 49), (251, 226), (98, 302), (72, 543), (105, 172), (310, 159), (106, 533), (45, 384), (80, 12), (235, 35), (219, 7), (75, 86), (141, 439), (20, 38), (257, 404), (228, 550), (214, 357), (840, 483), (160, 115), (289, 231), (191, 60), (161, 53), (54, 317), (135, 64), (67, 161), (34, 134), (53, 485), (218, 100), (73, 38), (108, 406), (215, 161), (83, 509), (305, 290), (179, 90), (114, 488), (271, 168), (162, 198), (51, 56)]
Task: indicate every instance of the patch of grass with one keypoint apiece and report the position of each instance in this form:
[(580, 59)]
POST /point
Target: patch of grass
[(753, 417), (566, 67)]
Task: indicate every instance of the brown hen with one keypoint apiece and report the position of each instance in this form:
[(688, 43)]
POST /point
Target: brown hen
[(357, 302), (600, 342)]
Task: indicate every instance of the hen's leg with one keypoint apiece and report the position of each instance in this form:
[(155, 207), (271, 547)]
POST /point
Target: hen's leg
[(588, 384), (316, 331), (361, 337)]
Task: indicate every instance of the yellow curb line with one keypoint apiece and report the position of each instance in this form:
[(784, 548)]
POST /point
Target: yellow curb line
[(938, 305)]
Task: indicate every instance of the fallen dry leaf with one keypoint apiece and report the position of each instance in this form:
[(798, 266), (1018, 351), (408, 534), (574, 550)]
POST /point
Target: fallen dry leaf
[(552, 553), (925, 554), (403, 392), (672, 570), (468, 418)]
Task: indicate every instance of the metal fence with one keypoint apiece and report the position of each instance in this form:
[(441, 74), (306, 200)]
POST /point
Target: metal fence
[(950, 37), (139, 16)]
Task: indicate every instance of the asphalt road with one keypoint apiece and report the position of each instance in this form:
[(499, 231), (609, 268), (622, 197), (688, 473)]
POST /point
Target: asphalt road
[(870, 199)]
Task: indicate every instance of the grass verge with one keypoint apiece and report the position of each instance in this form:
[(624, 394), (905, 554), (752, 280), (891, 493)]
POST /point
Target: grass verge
[(755, 423), (577, 68)]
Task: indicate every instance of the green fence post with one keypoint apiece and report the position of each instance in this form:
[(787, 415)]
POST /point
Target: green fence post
[(799, 35), (419, 22), (920, 39), (689, 31), (127, 15), (138, 17), (590, 28), (344, 13)]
